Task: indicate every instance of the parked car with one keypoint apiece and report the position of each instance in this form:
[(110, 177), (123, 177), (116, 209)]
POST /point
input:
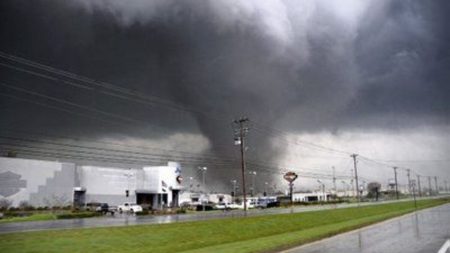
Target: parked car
[(223, 206), (92, 206), (129, 207), (104, 208)]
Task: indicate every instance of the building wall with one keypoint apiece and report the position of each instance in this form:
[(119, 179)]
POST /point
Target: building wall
[(304, 197), (48, 183), (41, 183)]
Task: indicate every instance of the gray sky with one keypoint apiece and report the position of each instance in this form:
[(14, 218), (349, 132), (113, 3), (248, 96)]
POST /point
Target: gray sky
[(366, 77)]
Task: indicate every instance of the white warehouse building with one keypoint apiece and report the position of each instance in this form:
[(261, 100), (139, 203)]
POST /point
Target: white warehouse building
[(49, 183)]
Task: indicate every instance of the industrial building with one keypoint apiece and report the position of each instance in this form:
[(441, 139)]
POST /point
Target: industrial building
[(310, 197), (52, 183)]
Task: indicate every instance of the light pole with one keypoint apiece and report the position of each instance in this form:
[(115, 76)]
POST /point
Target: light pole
[(361, 188), (252, 189), (128, 175), (265, 188), (234, 182), (203, 170)]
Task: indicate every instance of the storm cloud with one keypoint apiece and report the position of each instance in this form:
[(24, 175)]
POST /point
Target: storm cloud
[(304, 67)]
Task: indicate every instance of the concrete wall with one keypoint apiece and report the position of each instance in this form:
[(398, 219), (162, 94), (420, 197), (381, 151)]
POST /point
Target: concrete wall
[(41, 183)]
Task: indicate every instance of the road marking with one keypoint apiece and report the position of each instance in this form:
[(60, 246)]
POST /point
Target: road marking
[(445, 247)]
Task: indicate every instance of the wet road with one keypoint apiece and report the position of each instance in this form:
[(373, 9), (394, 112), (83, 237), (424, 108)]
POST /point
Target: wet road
[(128, 220), (425, 231)]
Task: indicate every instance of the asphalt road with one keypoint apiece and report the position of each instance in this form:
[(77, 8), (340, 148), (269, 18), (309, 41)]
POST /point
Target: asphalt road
[(128, 220), (424, 231)]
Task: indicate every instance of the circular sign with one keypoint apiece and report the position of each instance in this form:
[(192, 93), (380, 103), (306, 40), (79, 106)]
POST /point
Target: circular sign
[(290, 176), (179, 179)]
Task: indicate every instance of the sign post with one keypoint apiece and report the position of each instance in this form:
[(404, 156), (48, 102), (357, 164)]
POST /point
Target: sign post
[(290, 177)]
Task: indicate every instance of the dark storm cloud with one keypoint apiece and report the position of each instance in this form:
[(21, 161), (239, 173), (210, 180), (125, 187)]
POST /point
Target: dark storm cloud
[(303, 66), (403, 57)]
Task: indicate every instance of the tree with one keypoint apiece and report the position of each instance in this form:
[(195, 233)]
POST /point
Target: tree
[(373, 189), (5, 204)]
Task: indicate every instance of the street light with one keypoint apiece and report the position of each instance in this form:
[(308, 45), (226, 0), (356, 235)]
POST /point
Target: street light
[(128, 175), (253, 173), (234, 182), (203, 170)]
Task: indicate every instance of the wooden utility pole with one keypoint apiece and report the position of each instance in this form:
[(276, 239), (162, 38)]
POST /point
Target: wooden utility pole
[(418, 186), (356, 176), (409, 180), (429, 186), (396, 184), (242, 131)]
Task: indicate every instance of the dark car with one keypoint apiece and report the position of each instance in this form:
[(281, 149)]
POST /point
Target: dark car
[(92, 206), (104, 208)]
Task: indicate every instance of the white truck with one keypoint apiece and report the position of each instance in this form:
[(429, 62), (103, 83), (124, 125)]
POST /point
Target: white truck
[(129, 207)]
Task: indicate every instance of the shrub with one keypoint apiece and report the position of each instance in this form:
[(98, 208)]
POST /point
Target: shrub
[(77, 215), (25, 206), (144, 212)]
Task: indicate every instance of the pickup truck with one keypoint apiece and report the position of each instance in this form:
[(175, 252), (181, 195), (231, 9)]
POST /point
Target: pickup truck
[(129, 207)]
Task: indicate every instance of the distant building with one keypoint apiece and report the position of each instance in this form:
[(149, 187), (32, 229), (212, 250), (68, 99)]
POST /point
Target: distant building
[(310, 196), (48, 183), (197, 198)]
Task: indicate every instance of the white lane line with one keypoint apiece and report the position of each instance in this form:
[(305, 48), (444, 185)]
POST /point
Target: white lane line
[(445, 247)]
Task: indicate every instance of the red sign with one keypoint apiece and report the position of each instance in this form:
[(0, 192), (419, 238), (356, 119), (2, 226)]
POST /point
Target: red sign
[(290, 176)]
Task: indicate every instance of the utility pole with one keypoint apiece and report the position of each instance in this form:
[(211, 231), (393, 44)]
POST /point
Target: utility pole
[(446, 187), (334, 180), (409, 180), (418, 185), (241, 123), (413, 186), (429, 185), (436, 184), (356, 175), (396, 184), (203, 169)]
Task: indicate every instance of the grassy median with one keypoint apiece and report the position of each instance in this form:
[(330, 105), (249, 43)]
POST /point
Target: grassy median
[(251, 234)]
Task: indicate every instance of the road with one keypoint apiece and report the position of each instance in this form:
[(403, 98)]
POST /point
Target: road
[(423, 231), (128, 220)]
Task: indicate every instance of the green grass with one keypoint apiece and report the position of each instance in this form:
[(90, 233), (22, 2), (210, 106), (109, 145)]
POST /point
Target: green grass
[(33, 217), (251, 234)]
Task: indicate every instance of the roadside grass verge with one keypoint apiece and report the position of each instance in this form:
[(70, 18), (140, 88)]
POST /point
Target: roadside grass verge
[(49, 216), (33, 217), (249, 234)]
